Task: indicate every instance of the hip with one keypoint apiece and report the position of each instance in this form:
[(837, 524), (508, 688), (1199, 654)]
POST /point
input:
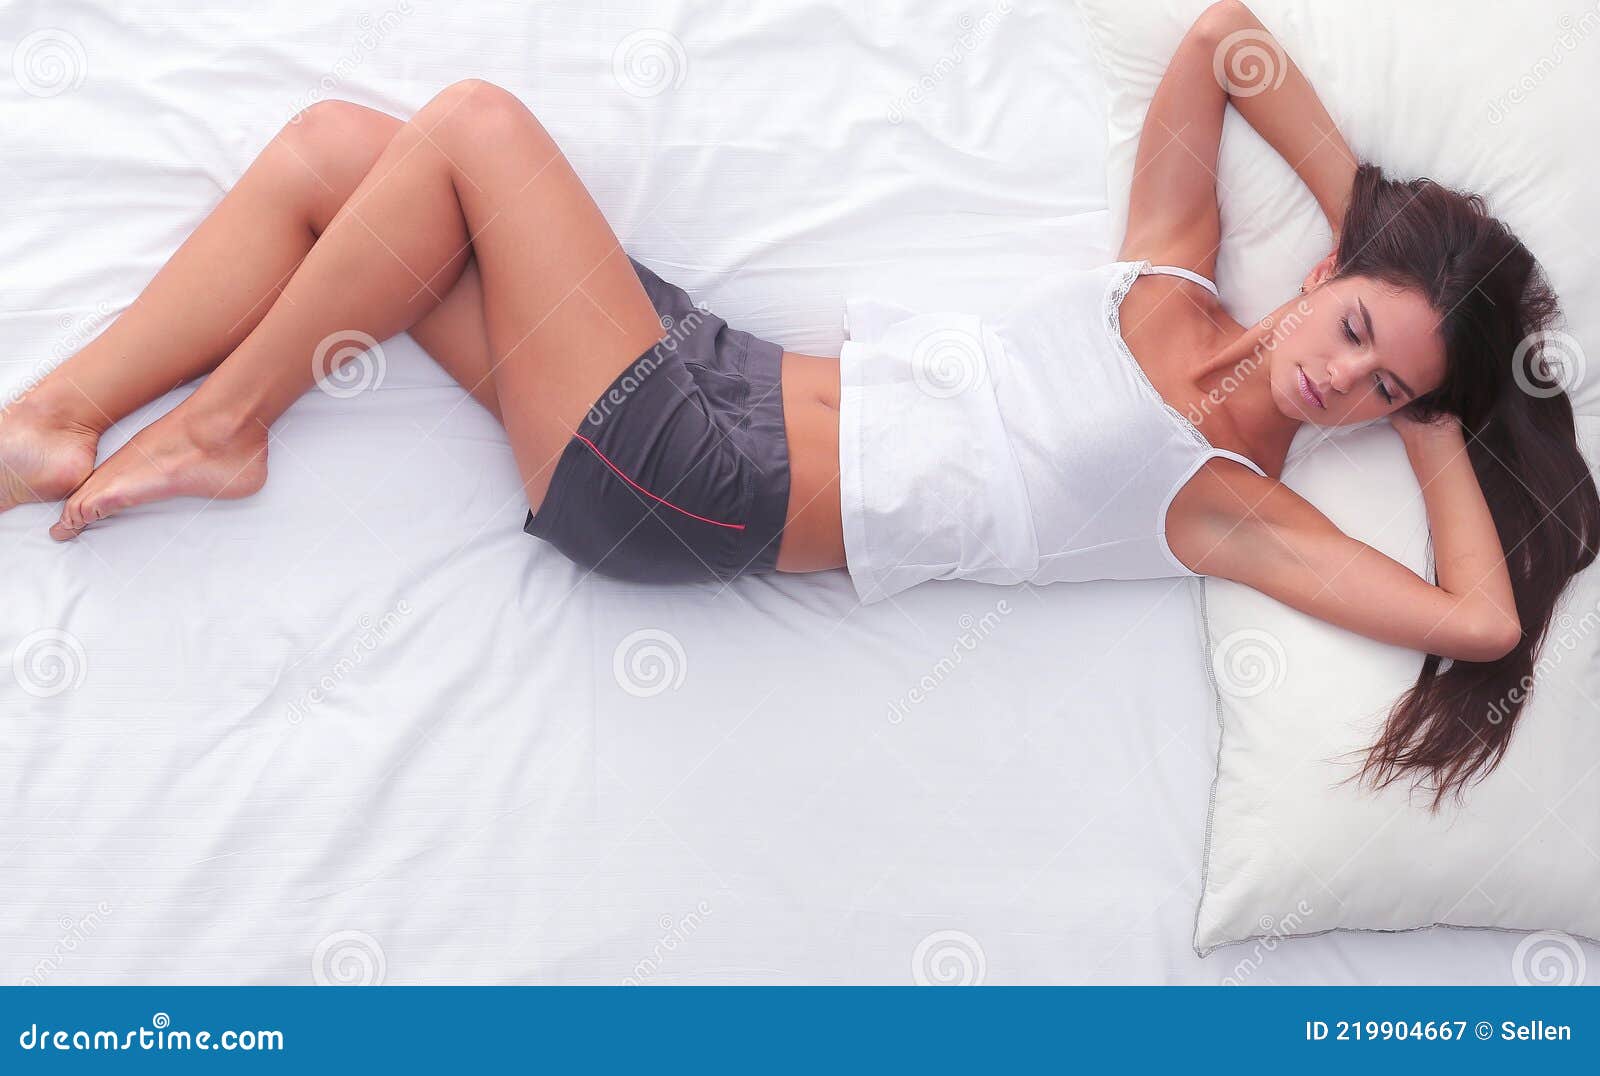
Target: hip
[(680, 470)]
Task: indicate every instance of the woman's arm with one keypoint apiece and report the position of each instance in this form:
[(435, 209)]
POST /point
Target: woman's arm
[(1261, 533), (1291, 117), (1468, 554), (1172, 209)]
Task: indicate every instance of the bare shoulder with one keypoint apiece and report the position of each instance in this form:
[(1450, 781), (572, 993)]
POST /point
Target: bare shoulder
[(1162, 313), (1166, 321)]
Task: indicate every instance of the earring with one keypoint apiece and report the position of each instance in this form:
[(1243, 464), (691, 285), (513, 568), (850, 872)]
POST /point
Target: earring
[(1302, 289)]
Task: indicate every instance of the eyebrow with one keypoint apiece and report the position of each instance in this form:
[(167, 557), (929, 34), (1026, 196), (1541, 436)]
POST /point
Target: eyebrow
[(1367, 318)]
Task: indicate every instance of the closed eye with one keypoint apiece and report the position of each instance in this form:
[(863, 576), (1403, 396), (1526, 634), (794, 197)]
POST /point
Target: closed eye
[(1350, 335)]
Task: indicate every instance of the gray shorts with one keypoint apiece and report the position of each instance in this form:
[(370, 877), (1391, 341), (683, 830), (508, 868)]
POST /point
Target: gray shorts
[(680, 470)]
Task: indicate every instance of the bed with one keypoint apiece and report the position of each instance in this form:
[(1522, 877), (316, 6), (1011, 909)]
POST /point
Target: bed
[(360, 728)]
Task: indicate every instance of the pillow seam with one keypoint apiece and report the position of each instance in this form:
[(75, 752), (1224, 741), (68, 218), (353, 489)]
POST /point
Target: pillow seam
[(1216, 776)]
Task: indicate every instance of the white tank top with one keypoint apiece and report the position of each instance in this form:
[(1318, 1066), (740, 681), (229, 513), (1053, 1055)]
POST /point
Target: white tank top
[(1028, 446)]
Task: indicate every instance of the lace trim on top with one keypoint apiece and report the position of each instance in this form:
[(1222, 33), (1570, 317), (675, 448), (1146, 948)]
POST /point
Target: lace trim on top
[(1113, 317)]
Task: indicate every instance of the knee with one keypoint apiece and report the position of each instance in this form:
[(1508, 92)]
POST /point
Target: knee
[(336, 139), (482, 109), (476, 94)]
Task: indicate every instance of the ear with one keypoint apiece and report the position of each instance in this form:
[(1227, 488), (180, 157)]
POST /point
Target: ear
[(1321, 272)]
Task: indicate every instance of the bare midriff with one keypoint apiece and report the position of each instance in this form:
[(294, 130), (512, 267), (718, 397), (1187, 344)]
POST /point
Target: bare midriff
[(813, 535)]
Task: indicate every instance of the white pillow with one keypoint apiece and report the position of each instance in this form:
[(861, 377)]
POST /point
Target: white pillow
[(1289, 850), (1478, 98)]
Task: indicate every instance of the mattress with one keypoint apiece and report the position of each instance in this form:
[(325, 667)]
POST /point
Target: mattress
[(361, 728)]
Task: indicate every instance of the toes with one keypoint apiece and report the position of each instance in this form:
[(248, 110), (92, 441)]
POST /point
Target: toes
[(65, 529), (90, 504), (76, 514), (69, 526)]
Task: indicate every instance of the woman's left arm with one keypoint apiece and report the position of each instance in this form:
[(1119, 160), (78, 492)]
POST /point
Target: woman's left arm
[(1261, 533), (1468, 553)]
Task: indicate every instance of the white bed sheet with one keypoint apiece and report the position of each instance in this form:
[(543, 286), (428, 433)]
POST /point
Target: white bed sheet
[(474, 796)]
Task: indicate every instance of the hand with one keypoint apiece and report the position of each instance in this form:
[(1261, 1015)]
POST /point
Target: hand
[(1416, 433)]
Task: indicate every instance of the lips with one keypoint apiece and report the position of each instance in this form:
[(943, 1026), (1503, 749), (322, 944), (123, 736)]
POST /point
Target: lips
[(1309, 391)]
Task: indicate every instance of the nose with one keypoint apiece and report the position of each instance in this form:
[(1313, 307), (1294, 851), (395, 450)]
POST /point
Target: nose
[(1344, 372)]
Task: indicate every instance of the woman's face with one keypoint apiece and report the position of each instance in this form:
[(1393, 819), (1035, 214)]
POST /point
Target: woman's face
[(1354, 349)]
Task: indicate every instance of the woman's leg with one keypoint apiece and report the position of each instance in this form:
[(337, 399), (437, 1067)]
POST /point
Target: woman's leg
[(212, 292), (472, 176)]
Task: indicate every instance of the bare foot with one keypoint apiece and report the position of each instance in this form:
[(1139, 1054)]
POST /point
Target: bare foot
[(43, 455), (178, 455)]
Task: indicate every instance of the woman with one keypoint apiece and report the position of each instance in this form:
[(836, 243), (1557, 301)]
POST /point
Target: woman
[(1046, 443)]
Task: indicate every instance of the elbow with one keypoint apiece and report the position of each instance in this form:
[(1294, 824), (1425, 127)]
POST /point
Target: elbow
[(1491, 640), (1505, 639)]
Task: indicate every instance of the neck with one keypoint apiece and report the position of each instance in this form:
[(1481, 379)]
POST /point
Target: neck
[(1236, 379)]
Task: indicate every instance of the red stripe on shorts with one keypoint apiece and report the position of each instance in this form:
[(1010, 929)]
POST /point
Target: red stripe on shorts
[(618, 471)]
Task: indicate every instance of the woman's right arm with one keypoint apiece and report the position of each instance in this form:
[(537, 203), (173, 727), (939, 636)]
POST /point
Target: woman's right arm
[(1289, 115), (1172, 207)]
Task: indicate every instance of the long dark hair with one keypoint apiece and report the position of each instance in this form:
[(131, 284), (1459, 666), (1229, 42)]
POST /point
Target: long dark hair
[(1452, 727)]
